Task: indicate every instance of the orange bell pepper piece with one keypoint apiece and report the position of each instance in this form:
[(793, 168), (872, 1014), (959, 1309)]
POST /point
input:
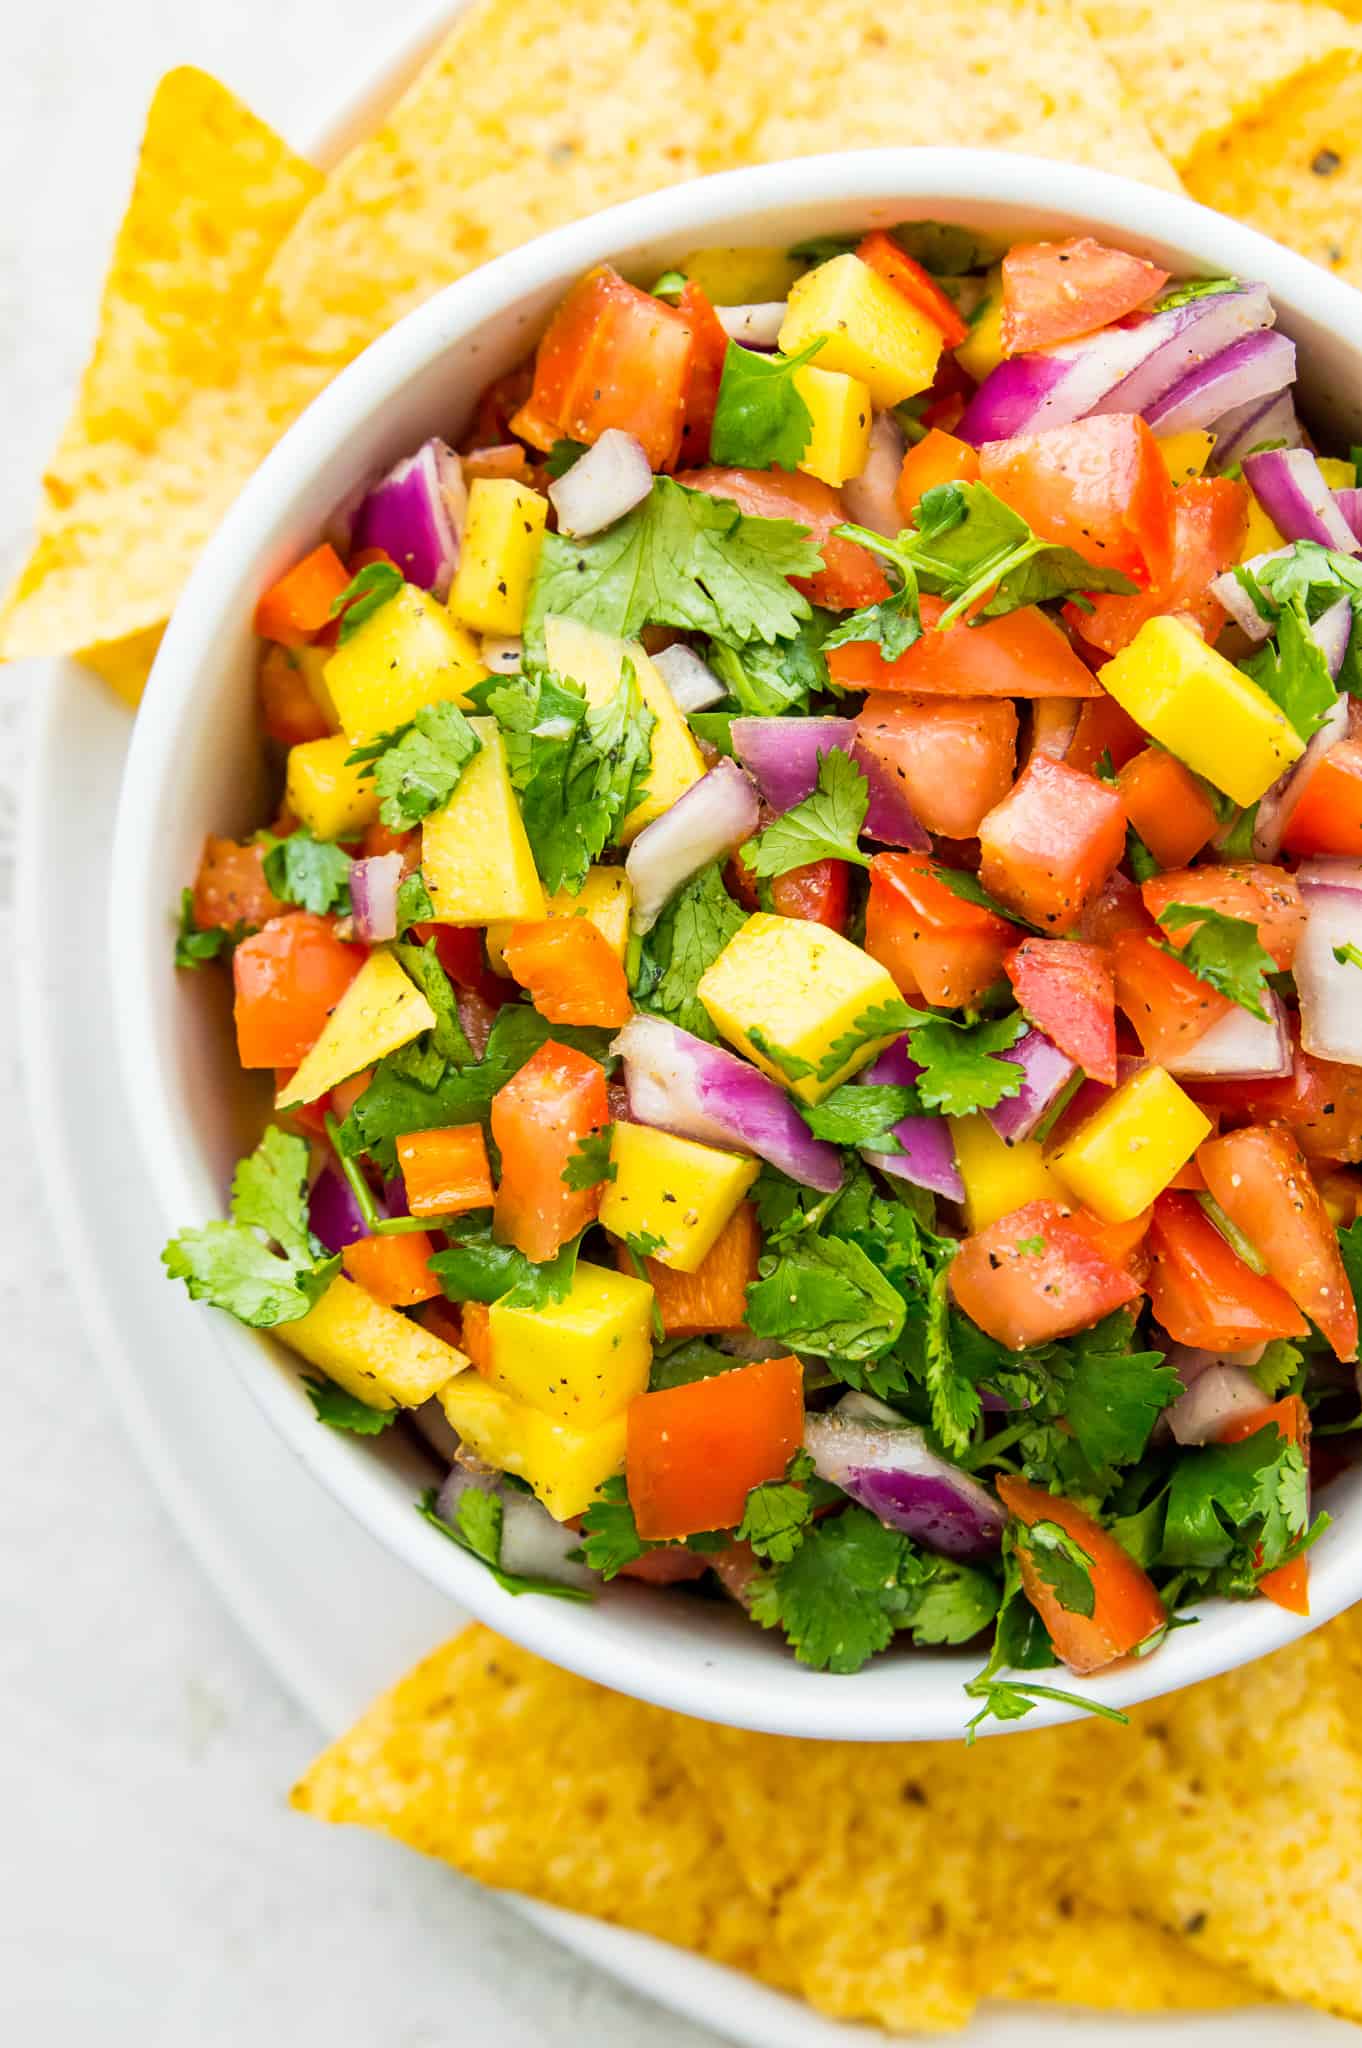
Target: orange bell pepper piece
[(446, 1172), (395, 1269), (571, 971), (299, 604), (694, 1453)]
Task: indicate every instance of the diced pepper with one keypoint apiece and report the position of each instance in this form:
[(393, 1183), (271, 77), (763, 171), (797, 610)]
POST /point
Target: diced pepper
[(475, 856), (381, 1010), (395, 1269), (230, 886), (1321, 1101), (1023, 654), (1057, 291), (1127, 1609), (704, 375), (325, 793), (407, 654), (915, 284), (1168, 1005), (1122, 1243), (572, 973), (1066, 991), (1326, 817), (1049, 846), (839, 433), (1098, 487), (300, 603), (673, 1192), (871, 331), (999, 1178), (1105, 735), (741, 277), (605, 899), (1033, 1277), (612, 356), (503, 534), (695, 1452), (1261, 1181), (445, 1172), (382, 1358), (1167, 806), (288, 978), (934, 943), (565, 1466), (1128, 1151), (936, 459), (1202, 1292), (539, 1119), (952, 757), (1255, 892), (714, 1297), (580, 1360), (289, 711), (596, 661)]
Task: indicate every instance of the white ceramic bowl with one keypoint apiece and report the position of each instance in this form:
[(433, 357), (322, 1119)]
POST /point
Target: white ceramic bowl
[(194, 766)]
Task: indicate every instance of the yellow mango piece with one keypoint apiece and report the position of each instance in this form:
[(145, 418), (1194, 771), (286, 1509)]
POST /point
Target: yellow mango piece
[(596, 661), (783, 991), (582, 1359), (839, 438), (680, 1193), (381, 1010), (475, 856), (1339, 475), (503, 533), (1186, 455), (1261, 536), (407, 654), (1199, 706), (1129, 1149), (981, 351), (382, 1358), (741, 277), (605, 898), (566, 1467), (998, 1177), (334, 800), (871, 331)]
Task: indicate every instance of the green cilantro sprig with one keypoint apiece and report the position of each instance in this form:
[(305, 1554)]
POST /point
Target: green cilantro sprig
[(339, 1409), (826, 825), (312, 872), (264, 1266), (417, 767), (366, 593), (1224, 952), (760, 419)]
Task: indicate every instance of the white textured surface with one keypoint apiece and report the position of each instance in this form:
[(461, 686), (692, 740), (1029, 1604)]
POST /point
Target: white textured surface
[(154, 1888)]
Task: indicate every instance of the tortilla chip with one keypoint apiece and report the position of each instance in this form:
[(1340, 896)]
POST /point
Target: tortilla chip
[(1068, 1952), (125, 664), (136, 485), (1194, 71), (1295, 169), (532, 1780)]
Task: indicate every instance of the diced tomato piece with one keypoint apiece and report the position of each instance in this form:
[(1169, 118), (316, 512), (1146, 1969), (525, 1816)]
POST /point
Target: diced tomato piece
[(1201, 1290), (1023, 654), (307, 1118), (1120, 1243), (1167, 806), (917, 285), (1254, 892), (1034, 1276), (442, 1319), (670, 1567), (709, 346), (933, 942), (1289, 1584), (818, 892), (1118, 907), (1126, 1608), (1099, 487), (445, 1172), (1105, 735), (713, 1297), (1327, 815), (1261, 1181), (289, 977), (572, 972), (1169, 1007), (938, 458), (850, 575), (1056, 291), (954, 757), (695, 1452), (1049, 846), (230, 887), (612, 356), (299, 604), (1320, 1100), (379, 838), (539, 1119), (476, 1335), (395, 1269), (288, 710), (1209, 517), (1066, 990)]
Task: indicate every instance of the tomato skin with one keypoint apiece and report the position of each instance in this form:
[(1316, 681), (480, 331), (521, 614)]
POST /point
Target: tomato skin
[(1289, 1585), (666, 1567), (1126, 1606), (933, 942), (1167, 806), (462, 954), (1067, 991), (695, 1452), (819, 893), (1057, 291), (1168, 1006), (1253, 891), (612, 356), (954, 757), (1209, 517), (709, 346), (289, 977), (1319, 1100), (539, 1118), (713, 1297), (1261, 1181), (1099, 487), (1023, 654), (938, 458), (230, 887), (1327, 815), (1202, 1292), (1029, 1296), (917, 285), (573, 974), (850, 575), (1050, 845)]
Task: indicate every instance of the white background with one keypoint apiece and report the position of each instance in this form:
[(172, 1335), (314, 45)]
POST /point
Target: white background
[(154, 1888)]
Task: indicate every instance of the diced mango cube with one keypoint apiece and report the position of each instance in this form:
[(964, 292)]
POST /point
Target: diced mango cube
[(998, 1177), (1128, 1150), (407, 654), (1261, 536), (475, 856), (677, 1192), (566, 1467), (1199, 706), (334, 800), (503, 533), (381, 1010), (1186, 455), (605, 898), (784, 991), (596, 661), (1338, 474), (741, 277), (871, 331), (840, 411), (382, 1358), (981, 351), (581, 1359)]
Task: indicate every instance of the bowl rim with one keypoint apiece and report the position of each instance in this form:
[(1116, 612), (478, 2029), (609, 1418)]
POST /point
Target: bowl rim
[(676, 1667)]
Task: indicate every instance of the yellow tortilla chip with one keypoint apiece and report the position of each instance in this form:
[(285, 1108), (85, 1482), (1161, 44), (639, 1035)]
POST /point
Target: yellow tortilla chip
[(1069, 1952), (1295, 169), (125, 664)]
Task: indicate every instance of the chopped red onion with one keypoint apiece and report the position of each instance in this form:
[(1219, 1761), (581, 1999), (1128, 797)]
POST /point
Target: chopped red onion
[(1330, 990), (886, 1465), (1239, 1047), (1256, 367), (416, 515), (1216, 1396), (609, 480), (373, 897), (928, 1156), (871, 498), (1230, 594), (503, 655), (754, 326), (1291, 490), (680, 1083), (1258, 425), (1323, 873), (692, 682), (783, 754), (533, 1545), (710, 821), (333, 1214), (1349, 503), (1046, 1073), (437, 1429), (1188, 335), (1331, 632)]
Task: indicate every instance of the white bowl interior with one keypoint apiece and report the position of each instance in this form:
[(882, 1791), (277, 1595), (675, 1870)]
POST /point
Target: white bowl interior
[(195, 766)]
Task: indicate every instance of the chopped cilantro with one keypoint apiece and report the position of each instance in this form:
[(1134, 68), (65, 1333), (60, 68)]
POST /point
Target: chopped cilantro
[(1113, 1396), (312, 872), (374, 586), (195, 943), (589, 1162), (232, 1264), (670, 285), (963, 883), (1193, 288), (825, 826), (893, 624), (417, 767), (690, 934), (679, 1364), (610, 1538), (825, 1295), (475, 1267), (1224, 952), (341, 1410), (961, 1067), (562, 455), (1139, 859), (881, 1020), (767, 680), (790, 1064), (778, 1512), (1253, 1493), (1348, 956), (447, 1039), (478, 1531), (1294, 673), (1277, 1368), (413, 901), (863, 1116), (1062, 1564), (760, 420)]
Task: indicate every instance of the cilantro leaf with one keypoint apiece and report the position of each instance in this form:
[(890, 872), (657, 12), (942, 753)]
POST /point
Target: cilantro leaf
[(863, 1116), (690, 934), (195, 943), (687, 1361), (1224, 952), (1113, 1399), (313, 872), (825, 826), (231, 1264), (1348, 956), (760, 420), (966, 885), (768, 680), (1280, 1362), (589, 1162), (955, 1604), (476, 1267), (893, 624), (778, 1512), (610, 1538), (1294, 672), (880, 1020), (1193, 288), (478, 1531), (826, 1296), (413, 901), (681, 558), (374, 586), (341, 1410), (839, 1594), (448, 1039), (562, 455), (417, 767), (269, 1193), (1062, 1563), (961, 1067), (1252, 1493)]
